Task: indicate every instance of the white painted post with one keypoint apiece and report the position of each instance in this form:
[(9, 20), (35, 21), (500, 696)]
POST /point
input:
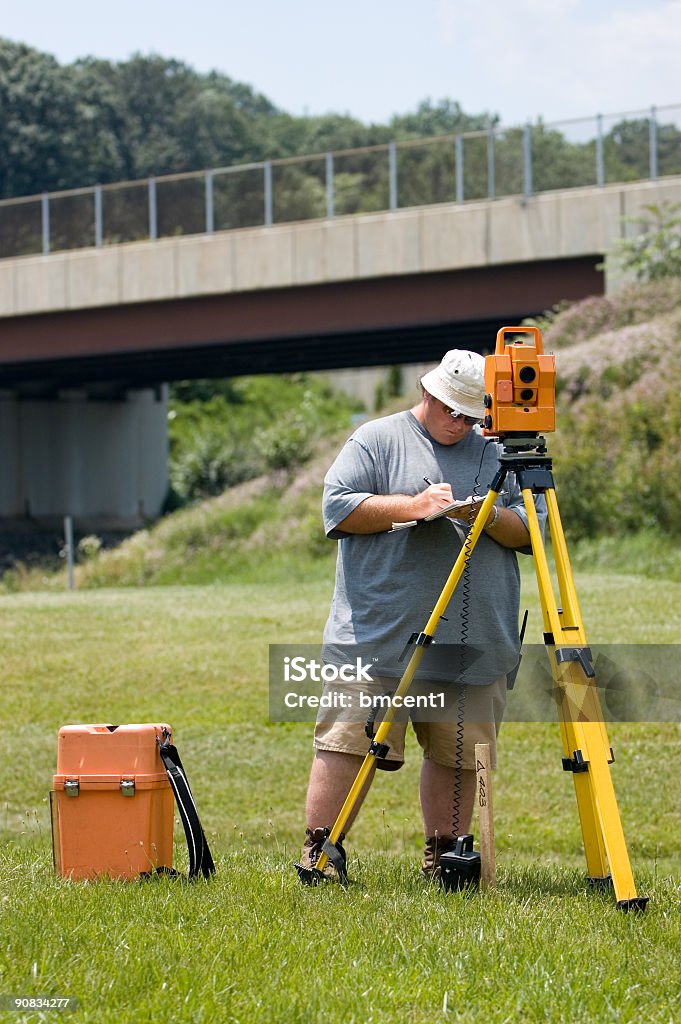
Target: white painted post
[(483, 771)]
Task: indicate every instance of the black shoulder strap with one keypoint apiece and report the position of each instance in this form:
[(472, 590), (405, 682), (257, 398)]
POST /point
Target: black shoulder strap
[(200, 860)]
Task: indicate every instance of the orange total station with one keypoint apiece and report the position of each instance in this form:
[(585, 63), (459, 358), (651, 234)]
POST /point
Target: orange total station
[(520, 385)]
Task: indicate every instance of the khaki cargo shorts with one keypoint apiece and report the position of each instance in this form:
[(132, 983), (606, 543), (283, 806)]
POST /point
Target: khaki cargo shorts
[(479, 708)]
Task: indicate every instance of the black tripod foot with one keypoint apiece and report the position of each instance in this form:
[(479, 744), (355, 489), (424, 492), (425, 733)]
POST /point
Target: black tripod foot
[(313, 876), (600, 881), (637, 903), (309, 876)]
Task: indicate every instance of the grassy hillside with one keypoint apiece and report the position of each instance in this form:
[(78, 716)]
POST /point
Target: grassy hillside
[(617, 458), (267, 528), (618, 461)]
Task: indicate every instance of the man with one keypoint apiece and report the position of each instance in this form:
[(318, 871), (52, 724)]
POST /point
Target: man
[(398, 469)]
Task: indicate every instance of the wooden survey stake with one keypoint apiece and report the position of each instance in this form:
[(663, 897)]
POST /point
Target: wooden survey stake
[(483, 771)]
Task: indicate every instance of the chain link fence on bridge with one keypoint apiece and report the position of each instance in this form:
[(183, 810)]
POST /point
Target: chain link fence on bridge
[(482, 165)]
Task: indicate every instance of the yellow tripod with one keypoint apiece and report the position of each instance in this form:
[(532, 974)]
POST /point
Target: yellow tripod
[(587, 752)]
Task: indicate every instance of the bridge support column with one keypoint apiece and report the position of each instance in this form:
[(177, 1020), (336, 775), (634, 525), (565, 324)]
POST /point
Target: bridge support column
[(102, 461)]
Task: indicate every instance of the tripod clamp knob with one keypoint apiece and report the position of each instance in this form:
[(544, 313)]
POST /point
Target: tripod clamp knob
[(581, 654)]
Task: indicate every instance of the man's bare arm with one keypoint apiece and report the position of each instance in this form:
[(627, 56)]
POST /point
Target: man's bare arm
[(377, 513), (508, 530)]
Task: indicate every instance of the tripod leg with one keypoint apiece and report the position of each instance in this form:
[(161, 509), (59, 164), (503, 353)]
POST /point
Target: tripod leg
[(553, 631), (570, 616), (379, 747), (571, 620), (585, 741)]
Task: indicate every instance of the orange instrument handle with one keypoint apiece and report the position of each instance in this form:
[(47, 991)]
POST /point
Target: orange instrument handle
[(501, 344)]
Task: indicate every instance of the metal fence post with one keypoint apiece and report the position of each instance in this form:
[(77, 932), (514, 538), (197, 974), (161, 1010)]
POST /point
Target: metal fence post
[(329, 186), (153, 217), (392, 174), (600, 162), (653, 142), (210, 216), (68, 550), (45, 217), (458, 143), (527, 160), (99, 220), (491, 183), (267, 169)]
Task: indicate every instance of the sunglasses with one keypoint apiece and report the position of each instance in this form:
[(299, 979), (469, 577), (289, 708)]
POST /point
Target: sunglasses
[(470, 421)]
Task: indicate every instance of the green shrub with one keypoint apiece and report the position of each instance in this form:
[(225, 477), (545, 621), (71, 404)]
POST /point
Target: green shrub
[(285, 447), (225, 432), (655, 252), (617, 467), (88, 547), (210, 461)]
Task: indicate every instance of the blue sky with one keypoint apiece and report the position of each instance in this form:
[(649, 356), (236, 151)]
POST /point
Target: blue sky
[(521, 59)]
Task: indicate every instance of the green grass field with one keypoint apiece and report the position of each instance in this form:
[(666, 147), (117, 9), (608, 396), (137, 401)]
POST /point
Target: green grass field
[(252, 944)]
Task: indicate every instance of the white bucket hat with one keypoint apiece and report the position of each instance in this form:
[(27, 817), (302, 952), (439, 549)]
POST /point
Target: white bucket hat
[(459, 382)]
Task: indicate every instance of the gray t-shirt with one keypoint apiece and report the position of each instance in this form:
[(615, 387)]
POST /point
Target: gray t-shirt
[(388, 583)]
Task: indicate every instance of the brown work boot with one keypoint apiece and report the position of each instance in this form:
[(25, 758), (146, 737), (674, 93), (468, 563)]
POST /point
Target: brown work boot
[(308, 872), (435, 847)]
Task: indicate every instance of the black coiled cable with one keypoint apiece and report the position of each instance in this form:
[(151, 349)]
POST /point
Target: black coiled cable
[(463, 665)]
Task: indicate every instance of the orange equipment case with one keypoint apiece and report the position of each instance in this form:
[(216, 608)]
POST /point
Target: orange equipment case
[(112, 805)]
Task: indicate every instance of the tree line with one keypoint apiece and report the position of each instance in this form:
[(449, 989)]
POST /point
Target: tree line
[(95, 121)]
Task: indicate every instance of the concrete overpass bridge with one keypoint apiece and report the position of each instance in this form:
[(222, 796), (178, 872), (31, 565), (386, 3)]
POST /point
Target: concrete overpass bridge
[(89, 337)]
